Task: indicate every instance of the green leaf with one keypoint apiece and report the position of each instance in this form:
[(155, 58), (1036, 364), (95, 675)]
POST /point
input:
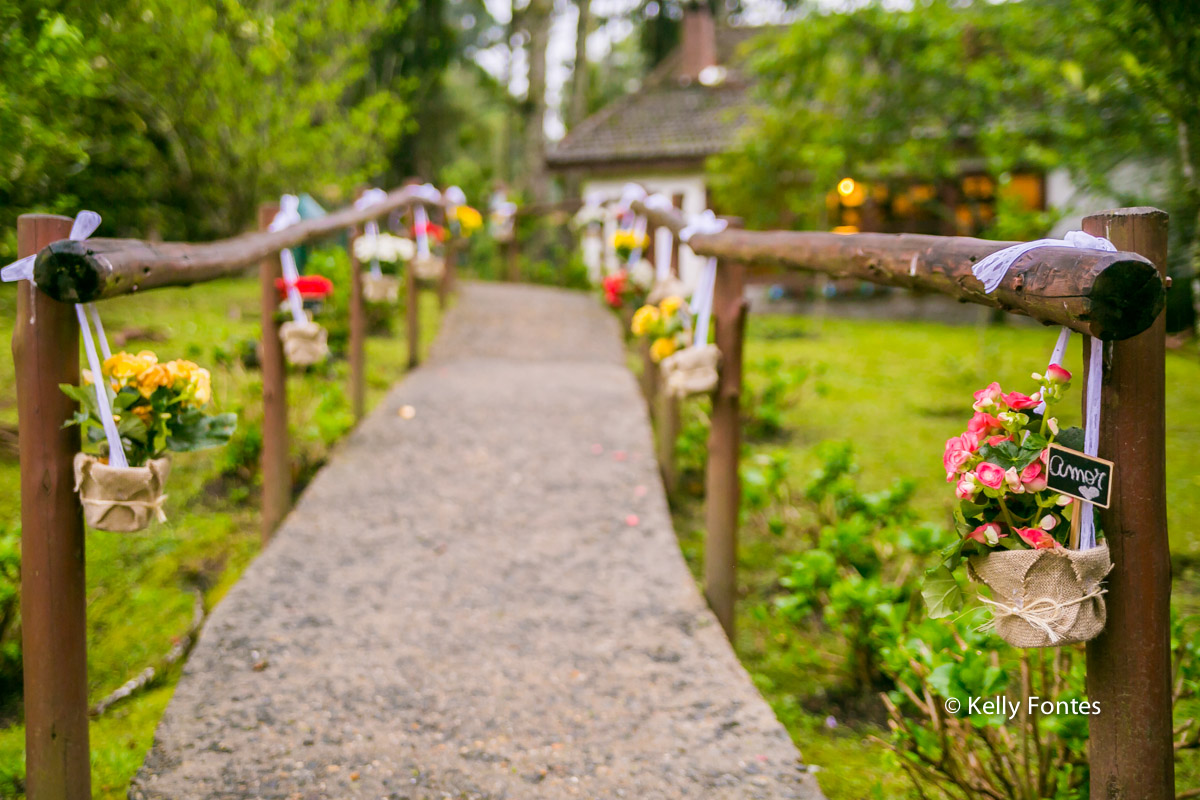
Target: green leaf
[(195, 430), (941, 592)]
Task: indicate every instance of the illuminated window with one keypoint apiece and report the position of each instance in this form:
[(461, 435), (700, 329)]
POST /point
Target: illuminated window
[(1025, 187)]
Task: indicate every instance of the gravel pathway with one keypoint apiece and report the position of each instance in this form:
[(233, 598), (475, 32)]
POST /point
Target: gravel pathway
[(485, 600)]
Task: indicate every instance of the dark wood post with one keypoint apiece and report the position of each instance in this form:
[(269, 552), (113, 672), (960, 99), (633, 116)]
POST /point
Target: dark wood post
[(412, 314), (513, 253), (722, 489), (276, 468), (358, 333), (446, 284), (666, 435), (1129, 664), (45, 350)]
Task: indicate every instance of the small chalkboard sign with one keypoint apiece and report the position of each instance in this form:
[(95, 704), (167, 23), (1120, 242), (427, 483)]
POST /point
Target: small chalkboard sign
[(1078, 475)]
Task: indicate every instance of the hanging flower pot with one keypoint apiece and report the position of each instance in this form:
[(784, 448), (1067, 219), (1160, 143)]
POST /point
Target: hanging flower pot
[(429, 267), (380, 288), (304, 343), (1044, 598), (149, 409), (1018, 534), (691, 371), (121, 499)]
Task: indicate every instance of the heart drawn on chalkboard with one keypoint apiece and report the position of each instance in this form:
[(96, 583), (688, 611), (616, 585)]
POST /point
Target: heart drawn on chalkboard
[(1090, 492)]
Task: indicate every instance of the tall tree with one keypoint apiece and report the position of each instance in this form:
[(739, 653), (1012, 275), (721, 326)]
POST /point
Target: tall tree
[(537, 18)]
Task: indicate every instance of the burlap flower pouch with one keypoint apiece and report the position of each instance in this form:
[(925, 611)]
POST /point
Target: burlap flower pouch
[(380, 288), (692, 370), (121, 499), (304, 343), (1044, 598), (429, 267)]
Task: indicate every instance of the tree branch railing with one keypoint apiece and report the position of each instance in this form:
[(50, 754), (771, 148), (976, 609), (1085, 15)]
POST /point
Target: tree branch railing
[(1116, 297), (46, 354)]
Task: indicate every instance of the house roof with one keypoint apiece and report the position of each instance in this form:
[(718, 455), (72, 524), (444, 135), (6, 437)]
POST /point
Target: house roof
[(667, 119)]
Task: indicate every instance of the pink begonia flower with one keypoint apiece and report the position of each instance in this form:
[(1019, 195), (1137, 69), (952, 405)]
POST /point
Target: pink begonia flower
[(1037, 538), (983, 423), (1034, 477), (1020, 402), (955, 457), (1048, 523), (995, 440), (966, 487), (970, 441), (1057, 374), (989, 475), (989, 397), (1013, 481), (988, 533)]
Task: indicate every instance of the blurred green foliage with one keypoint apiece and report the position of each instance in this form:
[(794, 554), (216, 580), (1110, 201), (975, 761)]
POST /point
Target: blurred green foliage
[(1104, 89)]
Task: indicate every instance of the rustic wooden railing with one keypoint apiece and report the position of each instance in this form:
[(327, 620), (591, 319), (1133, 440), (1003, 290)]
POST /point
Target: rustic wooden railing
[(1117, 297), (46, 354)]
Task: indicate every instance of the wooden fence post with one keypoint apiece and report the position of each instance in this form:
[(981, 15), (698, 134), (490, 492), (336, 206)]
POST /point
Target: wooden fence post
[(1129, 664), (513, 254), (412, 314), (722, 489), (446, 284), (358, 333), (276, 468), (667, 433), (45, 350)]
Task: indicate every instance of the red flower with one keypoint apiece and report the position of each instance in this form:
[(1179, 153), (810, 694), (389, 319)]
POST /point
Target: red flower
[(311, 287), (1019, 402), (615, 287), (432, 230), (1037, 539)]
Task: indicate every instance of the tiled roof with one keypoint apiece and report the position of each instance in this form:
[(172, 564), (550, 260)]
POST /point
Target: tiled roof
[(666, 118)]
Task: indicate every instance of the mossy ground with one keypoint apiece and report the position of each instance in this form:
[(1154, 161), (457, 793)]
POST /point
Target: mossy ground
[(140, 585)]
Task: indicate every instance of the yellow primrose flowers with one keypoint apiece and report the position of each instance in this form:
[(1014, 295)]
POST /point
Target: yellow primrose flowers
[(667, 326), (159, 406)]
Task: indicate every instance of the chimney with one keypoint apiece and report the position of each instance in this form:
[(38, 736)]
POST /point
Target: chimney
[(699, 47)]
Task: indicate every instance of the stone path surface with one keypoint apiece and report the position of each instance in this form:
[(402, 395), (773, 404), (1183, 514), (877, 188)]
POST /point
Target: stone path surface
[(460, 607)]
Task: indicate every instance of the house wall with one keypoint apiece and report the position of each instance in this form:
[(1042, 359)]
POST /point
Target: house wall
[(692, 186)]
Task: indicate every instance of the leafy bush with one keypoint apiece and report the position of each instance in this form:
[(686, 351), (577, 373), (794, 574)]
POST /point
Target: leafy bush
[(763, 406), (10, 615), (859, 580)]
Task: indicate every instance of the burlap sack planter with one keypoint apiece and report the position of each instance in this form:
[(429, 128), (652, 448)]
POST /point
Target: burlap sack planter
[(380, 288), (120, 499), (671, 287), (1044, 598), (304, 343), (692, 370), (428, 268)]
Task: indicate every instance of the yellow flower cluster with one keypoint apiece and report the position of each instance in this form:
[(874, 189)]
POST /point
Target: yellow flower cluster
[(468, 219), (143, 372), (628, 241), (665, 324)]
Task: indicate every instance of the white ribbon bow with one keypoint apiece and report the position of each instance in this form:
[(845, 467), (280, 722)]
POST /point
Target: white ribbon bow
[(455, 196), (658, 202), (427, 192), (702, 224), (992, 269), (630, 193), (289, 214), (84, 226), (371, 197)]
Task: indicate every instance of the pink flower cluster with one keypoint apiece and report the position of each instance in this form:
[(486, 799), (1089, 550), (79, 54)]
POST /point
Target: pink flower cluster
[(999, 474)]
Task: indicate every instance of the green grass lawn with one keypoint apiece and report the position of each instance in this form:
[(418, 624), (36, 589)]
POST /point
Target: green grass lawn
[(897, 391), (139, 585)]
